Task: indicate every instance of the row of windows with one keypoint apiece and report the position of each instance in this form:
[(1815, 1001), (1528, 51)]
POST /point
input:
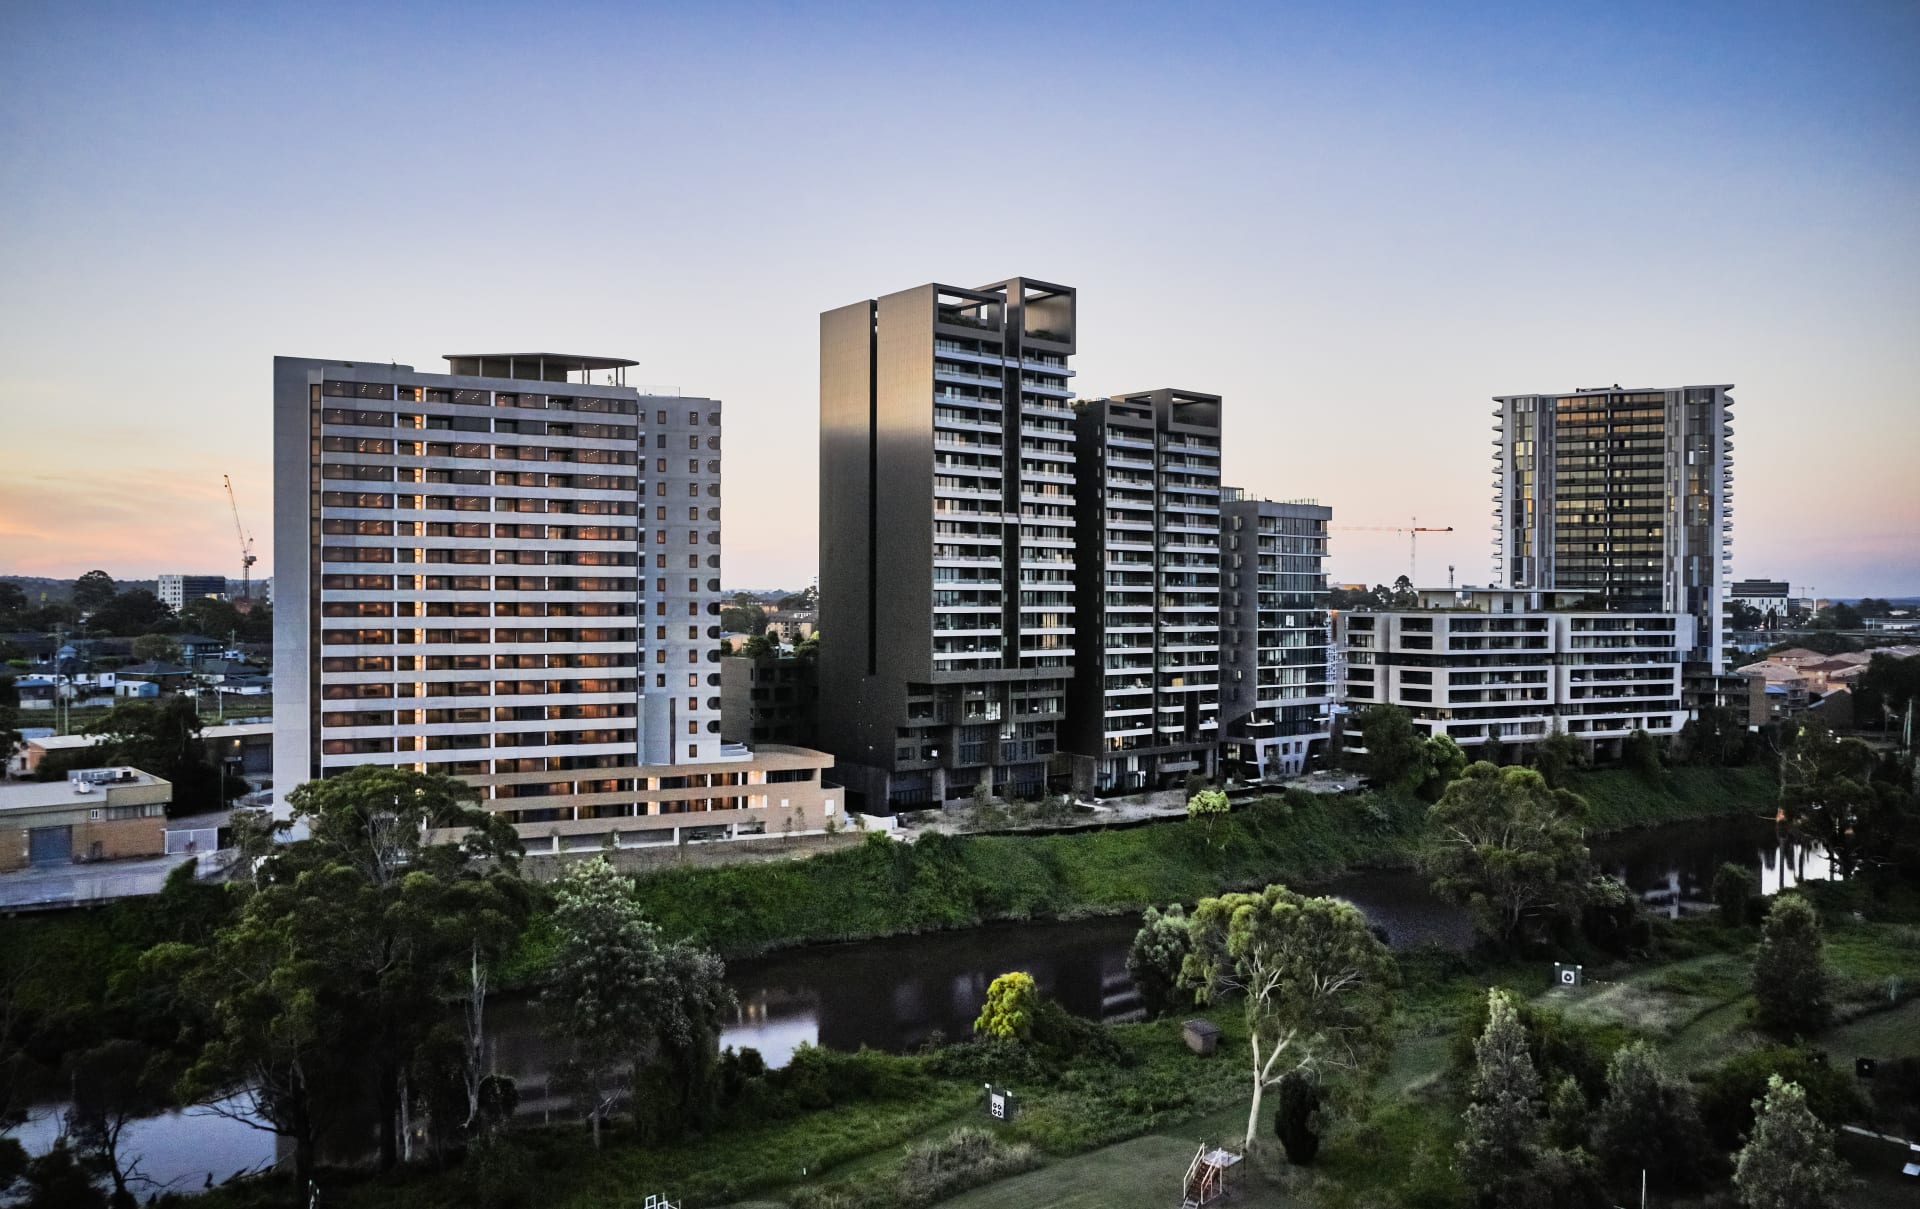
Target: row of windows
[(481, 398), (336, 472)]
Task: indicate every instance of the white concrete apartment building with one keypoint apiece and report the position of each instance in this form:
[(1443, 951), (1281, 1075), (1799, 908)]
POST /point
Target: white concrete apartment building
[(511, 573), (175, 591), (1275, 691), (1508, 666), (1143, 709)]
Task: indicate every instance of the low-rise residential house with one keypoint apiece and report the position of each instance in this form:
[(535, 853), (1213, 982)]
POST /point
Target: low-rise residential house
[(792, 624), (195, 647), (96, 814), (244, 749), (171, 677)]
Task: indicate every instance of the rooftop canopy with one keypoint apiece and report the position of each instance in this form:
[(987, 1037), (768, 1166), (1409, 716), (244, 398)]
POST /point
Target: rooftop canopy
[(538, 367)]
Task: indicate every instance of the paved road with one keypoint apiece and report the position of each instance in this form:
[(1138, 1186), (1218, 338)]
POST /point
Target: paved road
[(56, 885)]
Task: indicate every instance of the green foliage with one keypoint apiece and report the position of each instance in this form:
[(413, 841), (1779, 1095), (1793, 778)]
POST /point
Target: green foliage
[(1789, 1163), (617, 994), (354, 945), (882, 887), (1716, 737), (1729, 1094), (1315, 985), (92, 590), (1733, 893), (1208, 805), (136, 611), (1640, 755), (1508, 847), (1559, 1046), (1827, 794), (1504, 1154), (1154, 959), (60, 1179), (1649, 1122), (1790, 985), (1395, 750), (1012, 1003), (932, 1170), (1556, 756), (1443, 763)]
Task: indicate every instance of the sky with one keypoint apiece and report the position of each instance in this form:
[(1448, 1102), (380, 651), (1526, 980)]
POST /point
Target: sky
[(1357, 222)]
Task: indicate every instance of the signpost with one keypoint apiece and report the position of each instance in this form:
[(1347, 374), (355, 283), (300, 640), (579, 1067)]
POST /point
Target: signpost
[(1567, 975)]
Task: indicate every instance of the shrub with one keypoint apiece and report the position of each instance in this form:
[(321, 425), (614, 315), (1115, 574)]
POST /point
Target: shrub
[(1008, 1013), (1728, 1095), (1155, 957), (1789, 971), (1733, 893), (965, 1158)]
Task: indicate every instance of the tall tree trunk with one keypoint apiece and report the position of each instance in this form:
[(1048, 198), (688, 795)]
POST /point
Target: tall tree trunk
[(1253, 1114), (389, 1100)]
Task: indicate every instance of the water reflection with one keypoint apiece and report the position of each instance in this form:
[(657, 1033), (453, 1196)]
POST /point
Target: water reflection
[(1672, 867), (178, 1150)]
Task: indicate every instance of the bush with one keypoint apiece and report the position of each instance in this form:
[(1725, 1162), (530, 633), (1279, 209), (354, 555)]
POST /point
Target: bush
[(1733, 893), (1155, 957), (1727, 1096), (965, 1158), (932, 1171), (1790, 986)]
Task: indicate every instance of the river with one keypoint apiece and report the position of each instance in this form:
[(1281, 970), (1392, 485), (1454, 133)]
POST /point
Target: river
[(898, 993)]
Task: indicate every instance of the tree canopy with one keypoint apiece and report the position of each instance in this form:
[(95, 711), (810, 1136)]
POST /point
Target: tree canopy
[(1789, 1162), (1313, 981), (1509, 847)]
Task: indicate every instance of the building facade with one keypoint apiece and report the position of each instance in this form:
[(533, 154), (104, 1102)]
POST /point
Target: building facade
[(96, 814), (947, 539), (1143, 708), (769, 699), (1276, 691), (1623, 498), (176, 590), (509, 573), (1509, 666)]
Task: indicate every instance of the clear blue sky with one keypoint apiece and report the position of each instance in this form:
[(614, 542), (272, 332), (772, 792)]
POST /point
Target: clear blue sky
[(1355, 221)]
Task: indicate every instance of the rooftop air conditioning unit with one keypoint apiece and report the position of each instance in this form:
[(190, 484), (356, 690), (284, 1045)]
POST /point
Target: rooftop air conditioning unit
[(83, 787)]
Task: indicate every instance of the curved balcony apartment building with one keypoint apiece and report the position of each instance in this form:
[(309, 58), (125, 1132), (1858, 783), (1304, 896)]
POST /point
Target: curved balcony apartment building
[(511, 573)]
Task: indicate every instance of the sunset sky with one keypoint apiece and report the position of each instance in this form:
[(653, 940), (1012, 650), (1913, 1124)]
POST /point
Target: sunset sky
[(1357, 222)]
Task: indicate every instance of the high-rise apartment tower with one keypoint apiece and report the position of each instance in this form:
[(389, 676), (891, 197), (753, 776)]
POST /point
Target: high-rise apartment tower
[(511, 573), (1143, 710), (946, 539), (1622, 496), (1275, 689)]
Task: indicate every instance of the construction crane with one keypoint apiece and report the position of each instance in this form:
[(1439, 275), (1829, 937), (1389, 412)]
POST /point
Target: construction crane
[(247, 556), (1413, 532)]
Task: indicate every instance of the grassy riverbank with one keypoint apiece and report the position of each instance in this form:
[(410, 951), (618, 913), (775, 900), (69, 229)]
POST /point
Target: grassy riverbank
[(882, 888)]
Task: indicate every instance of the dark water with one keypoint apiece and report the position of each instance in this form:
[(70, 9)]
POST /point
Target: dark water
[(896, 994)]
